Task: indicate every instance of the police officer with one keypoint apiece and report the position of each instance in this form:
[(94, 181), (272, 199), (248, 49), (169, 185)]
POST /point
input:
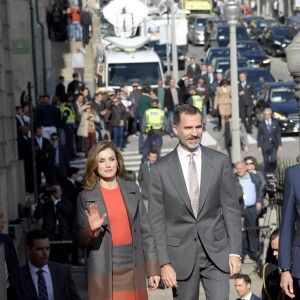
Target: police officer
[(68, 126), (153, 126), (195, 99)]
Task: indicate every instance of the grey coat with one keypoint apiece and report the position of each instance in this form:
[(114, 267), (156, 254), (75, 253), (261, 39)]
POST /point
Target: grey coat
[(176, 229)]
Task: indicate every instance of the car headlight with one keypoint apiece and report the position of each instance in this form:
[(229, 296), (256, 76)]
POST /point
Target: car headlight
[(277, 42), (199, 32), (283, 45), (279, 116), (267, 61)]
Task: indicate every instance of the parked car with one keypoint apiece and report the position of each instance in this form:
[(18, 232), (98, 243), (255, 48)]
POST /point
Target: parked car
[(258, 76), (196, 28), (161, 50), (254, 54), (213, 52), (257, 26), (280, 97), (292, 26), (223, 63), (275, 39)]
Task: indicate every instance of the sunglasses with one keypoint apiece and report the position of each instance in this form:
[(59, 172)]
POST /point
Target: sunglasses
[(249, 163)]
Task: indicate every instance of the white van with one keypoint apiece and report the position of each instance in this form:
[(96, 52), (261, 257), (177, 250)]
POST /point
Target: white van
[(118, 67)]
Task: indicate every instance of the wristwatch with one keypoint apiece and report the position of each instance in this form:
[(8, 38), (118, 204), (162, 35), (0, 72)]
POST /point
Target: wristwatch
[(283, 270)]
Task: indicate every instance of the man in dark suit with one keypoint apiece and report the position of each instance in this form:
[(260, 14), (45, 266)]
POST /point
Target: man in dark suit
[(193, 69), (289, 241), (247, 99), (269, 140), (243, 287), (42, 148), (195, 214), (173, 98), (42, 279), (11, 262)]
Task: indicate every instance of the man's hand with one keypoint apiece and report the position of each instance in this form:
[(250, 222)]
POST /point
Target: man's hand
[(286, 283), (235, 264), (259, 149), (154, 282), (258, 207), (280, 149), (168, 276)]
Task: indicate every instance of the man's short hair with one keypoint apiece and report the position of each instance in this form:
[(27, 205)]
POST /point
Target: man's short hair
[(274, 234), (35, 234), (71, 171), (53, 134), (61, 78), (246, 277), (187, 109), (153, 151)]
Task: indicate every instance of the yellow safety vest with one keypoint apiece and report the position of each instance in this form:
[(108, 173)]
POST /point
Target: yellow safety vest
[(154, 119), (197, 101), (71, 117)]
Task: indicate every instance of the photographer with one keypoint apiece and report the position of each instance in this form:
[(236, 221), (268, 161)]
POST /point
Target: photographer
[(56, 213)]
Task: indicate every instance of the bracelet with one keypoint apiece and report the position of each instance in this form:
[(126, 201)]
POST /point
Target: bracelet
[(93, 231), (284, 270)]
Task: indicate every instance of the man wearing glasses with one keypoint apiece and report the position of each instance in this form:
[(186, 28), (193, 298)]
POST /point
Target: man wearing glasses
[(269, 141)]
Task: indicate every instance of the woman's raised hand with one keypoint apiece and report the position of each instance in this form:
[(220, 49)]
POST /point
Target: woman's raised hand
[(95, 221)]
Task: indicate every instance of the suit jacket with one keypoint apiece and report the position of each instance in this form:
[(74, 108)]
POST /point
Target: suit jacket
[(64, 163), (176, 229), (42, 155), (249, 94), (63, 284), (289, 238), (193, 71), (12, 263), (99, 246), (169, 99), (267, 140), (144, 180), (253, 297)]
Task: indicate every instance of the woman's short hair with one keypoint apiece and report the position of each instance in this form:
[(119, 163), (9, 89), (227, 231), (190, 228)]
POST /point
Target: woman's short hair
[(91, 176), (254, 160)]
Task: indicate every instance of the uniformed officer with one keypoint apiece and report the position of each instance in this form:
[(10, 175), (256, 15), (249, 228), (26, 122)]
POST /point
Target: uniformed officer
[(195, 99), (68, 126), (153, 126)]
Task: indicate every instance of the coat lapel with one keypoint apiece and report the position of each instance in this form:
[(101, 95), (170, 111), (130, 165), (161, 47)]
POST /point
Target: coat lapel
[(55, 281), (30, 287), (176, 176), (207, 171)]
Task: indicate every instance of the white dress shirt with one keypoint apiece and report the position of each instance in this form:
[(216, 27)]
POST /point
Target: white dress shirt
[(248, 297), (48, 279), (185, 160)]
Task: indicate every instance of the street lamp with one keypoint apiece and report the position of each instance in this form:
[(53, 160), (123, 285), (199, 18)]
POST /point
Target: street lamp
[(292, 52), (232, 13)]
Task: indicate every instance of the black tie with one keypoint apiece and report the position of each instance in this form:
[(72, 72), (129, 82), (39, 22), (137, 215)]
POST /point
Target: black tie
[(270, 127), (43, 294)]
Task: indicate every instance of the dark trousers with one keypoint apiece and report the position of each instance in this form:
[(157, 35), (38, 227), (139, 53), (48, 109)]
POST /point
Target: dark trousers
[(250, 234), (215, 282), (141, 136), (154, 140), (70, 140), (89, 142), (246, 113), (118, 135), (42, 167), (270, 160), (85, 34)]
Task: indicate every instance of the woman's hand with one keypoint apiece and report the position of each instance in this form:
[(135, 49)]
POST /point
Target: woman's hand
[(154, 282), (95, 221)]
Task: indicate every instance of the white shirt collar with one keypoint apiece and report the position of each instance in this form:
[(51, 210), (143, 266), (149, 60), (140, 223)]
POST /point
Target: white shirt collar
[(33, 269), (248, 297), (182, 153)]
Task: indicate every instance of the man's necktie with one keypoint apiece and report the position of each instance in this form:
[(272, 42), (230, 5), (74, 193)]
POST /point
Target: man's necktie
[(270, 127), (194, 190), (42, 288)]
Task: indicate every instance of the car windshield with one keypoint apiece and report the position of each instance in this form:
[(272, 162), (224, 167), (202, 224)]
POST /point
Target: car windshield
[(241, 33), (143, 73), (249, 47), (279, 31), (259, 76), (225, 65), (200, 22), (282, 95), (218, 53)]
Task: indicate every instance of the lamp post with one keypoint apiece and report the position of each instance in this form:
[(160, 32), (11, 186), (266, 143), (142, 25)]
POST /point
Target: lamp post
[(232, 12), (292, 52)]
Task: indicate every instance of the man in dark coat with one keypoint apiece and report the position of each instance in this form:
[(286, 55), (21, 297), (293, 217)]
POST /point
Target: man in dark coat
[(243, 287), (269, 141), (60, 89), (86, 22), (41, 278)]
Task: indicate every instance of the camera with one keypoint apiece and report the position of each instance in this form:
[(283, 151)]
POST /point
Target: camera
[(47, 190)]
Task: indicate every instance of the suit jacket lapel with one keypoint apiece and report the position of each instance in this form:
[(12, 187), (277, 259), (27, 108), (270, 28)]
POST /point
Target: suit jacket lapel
[(176, 176), (55, 280), (207, 171), (30, 287), (130, 198)]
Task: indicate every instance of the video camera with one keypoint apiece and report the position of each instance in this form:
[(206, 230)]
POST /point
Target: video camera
[(46, 190)]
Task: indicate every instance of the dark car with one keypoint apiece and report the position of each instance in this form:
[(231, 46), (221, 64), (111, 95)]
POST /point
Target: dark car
[(220, 36), (256, 27), (213, 52), (275, 39), (196, 28), (279, 96), (161, 50), (254, 54), (258, 76), (223, 63)]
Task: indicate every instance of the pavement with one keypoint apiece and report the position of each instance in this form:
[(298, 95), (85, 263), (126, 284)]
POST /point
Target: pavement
[(132, 161)]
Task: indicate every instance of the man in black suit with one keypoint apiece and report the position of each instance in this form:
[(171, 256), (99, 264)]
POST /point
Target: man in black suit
[(42, 148), (193, 69), (243, 287), (247, 99), (42, 279), (11, 262), (269, 141)]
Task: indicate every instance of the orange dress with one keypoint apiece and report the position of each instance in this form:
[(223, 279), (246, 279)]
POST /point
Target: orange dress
[(124, 287)]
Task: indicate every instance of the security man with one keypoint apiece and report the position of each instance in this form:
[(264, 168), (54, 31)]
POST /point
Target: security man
[(68, 126), (195, 99), (153, 126)]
